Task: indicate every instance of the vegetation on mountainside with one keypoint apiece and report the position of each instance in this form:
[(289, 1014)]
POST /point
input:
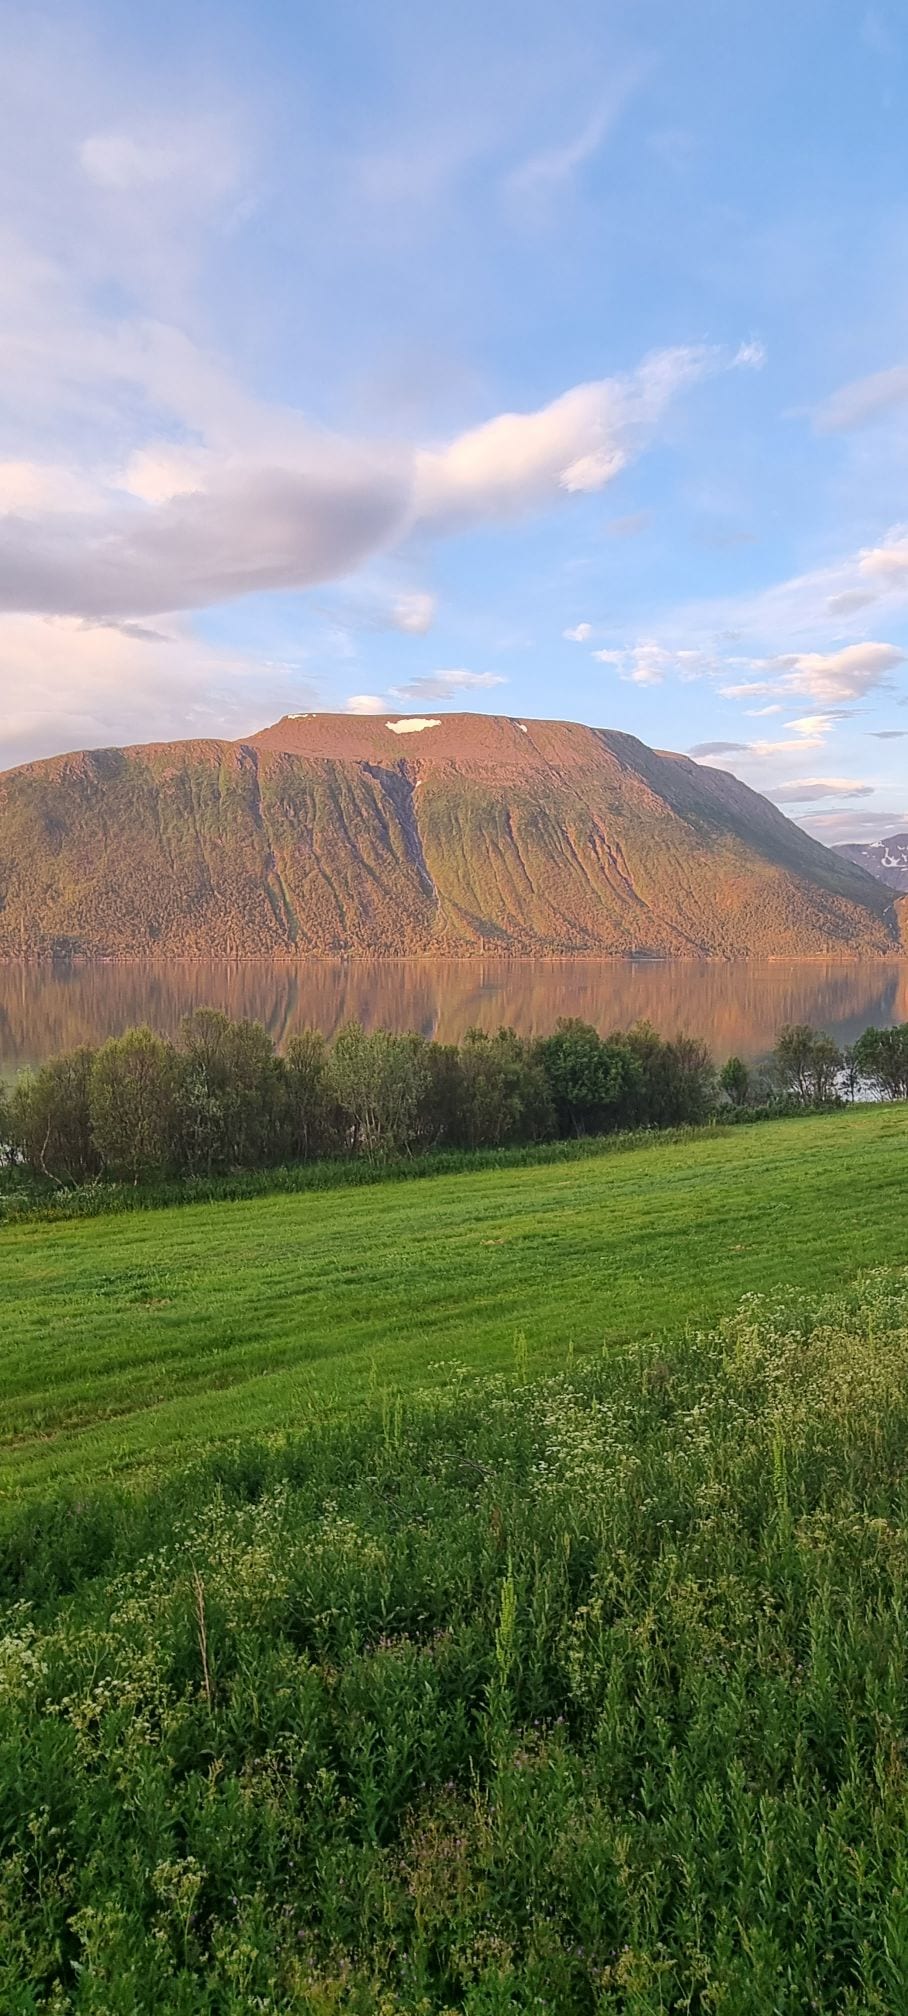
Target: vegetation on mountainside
[(480, 835), (585, 1695), (128, 1342)]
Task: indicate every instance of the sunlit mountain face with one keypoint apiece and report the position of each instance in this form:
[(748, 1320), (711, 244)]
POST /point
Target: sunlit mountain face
[(465, 835)]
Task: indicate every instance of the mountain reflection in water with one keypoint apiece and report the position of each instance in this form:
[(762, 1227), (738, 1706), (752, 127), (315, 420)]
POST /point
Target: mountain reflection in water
[(736, 1008)]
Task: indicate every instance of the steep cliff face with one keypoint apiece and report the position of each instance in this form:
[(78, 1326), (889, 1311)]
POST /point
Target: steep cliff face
[(887, 859), (331, 833)]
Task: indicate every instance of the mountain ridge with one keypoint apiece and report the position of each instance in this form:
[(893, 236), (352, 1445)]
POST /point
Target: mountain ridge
[(456, 833)]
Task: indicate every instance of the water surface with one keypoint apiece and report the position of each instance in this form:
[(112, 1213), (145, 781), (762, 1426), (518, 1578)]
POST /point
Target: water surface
[(737, 1007)]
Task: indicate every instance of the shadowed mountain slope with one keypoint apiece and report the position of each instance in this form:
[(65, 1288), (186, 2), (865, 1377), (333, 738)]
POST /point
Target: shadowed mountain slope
[(336, 833), (887, 859)]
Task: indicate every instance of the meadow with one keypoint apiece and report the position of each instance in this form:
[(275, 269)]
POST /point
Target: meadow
[(475, 1595), (130, 1344), (577, 1695)]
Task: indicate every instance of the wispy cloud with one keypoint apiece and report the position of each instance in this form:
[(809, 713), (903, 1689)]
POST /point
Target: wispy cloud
[(549, 170), (863, 401), (648, 663), (440, 685), (807, 790), (203, 155), (644, 664)]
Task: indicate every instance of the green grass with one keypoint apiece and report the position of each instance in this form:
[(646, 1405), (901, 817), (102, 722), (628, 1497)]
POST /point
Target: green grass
[(582, 1697), (133, 1343)]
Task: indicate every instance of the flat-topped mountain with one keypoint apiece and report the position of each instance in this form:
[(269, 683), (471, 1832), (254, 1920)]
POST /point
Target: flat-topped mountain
[(461, 833), (887, 859)]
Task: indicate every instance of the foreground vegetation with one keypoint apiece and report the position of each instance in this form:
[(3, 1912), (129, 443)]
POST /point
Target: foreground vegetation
[(580, 1696), (130, 1342)]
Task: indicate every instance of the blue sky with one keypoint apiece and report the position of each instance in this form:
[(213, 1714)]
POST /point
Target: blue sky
[(549, 359)]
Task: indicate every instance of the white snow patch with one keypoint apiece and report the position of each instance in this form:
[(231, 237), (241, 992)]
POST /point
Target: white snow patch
[(523, 728), (412, 724)]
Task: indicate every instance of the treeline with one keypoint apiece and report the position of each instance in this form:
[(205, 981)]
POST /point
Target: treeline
[(220, 1099)]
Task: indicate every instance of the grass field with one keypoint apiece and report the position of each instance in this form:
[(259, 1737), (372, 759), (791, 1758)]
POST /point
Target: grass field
[(577, 1697), (137, 1341)]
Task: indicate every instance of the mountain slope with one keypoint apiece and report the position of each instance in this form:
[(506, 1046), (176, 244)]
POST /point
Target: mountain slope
[(887, 859), (334, 833)]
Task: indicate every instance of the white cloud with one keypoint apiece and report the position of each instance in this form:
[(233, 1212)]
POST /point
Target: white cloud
[(849, 674), (814, 724), (579, 443), (580, 634), (887, 565), (648, 663), (413, 613), (365, 703), (752, 355), (838, 675)]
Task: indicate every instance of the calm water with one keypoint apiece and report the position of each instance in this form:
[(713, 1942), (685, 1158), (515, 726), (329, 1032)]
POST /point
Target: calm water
[(737, 1008)]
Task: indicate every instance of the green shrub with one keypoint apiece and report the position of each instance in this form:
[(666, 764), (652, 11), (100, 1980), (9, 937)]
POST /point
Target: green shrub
[(133, 1104), (49, 1119)]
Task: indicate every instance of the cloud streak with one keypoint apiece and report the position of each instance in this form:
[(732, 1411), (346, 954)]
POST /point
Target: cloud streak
[(863, 401)]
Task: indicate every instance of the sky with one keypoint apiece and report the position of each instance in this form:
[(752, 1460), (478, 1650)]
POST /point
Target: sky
[(547, 358)]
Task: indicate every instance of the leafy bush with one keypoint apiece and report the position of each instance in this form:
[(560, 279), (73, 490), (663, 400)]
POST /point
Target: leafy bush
[(133, 1092), (734, 1080), (49, 1119), (881, 1059), (230, 1104), (806, 1064), (593, 1082)]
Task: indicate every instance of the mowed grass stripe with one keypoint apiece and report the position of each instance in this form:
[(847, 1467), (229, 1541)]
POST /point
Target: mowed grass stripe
[(137, 1339)]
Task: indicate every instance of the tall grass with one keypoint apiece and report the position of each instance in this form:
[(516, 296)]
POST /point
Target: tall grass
[(579, 1696), (26, 1198)]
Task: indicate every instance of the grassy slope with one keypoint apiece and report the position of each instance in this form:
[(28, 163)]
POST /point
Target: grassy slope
[(139, 1340)]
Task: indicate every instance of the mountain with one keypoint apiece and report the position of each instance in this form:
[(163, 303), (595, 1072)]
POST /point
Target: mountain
[(887, 859), (469, 833)]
